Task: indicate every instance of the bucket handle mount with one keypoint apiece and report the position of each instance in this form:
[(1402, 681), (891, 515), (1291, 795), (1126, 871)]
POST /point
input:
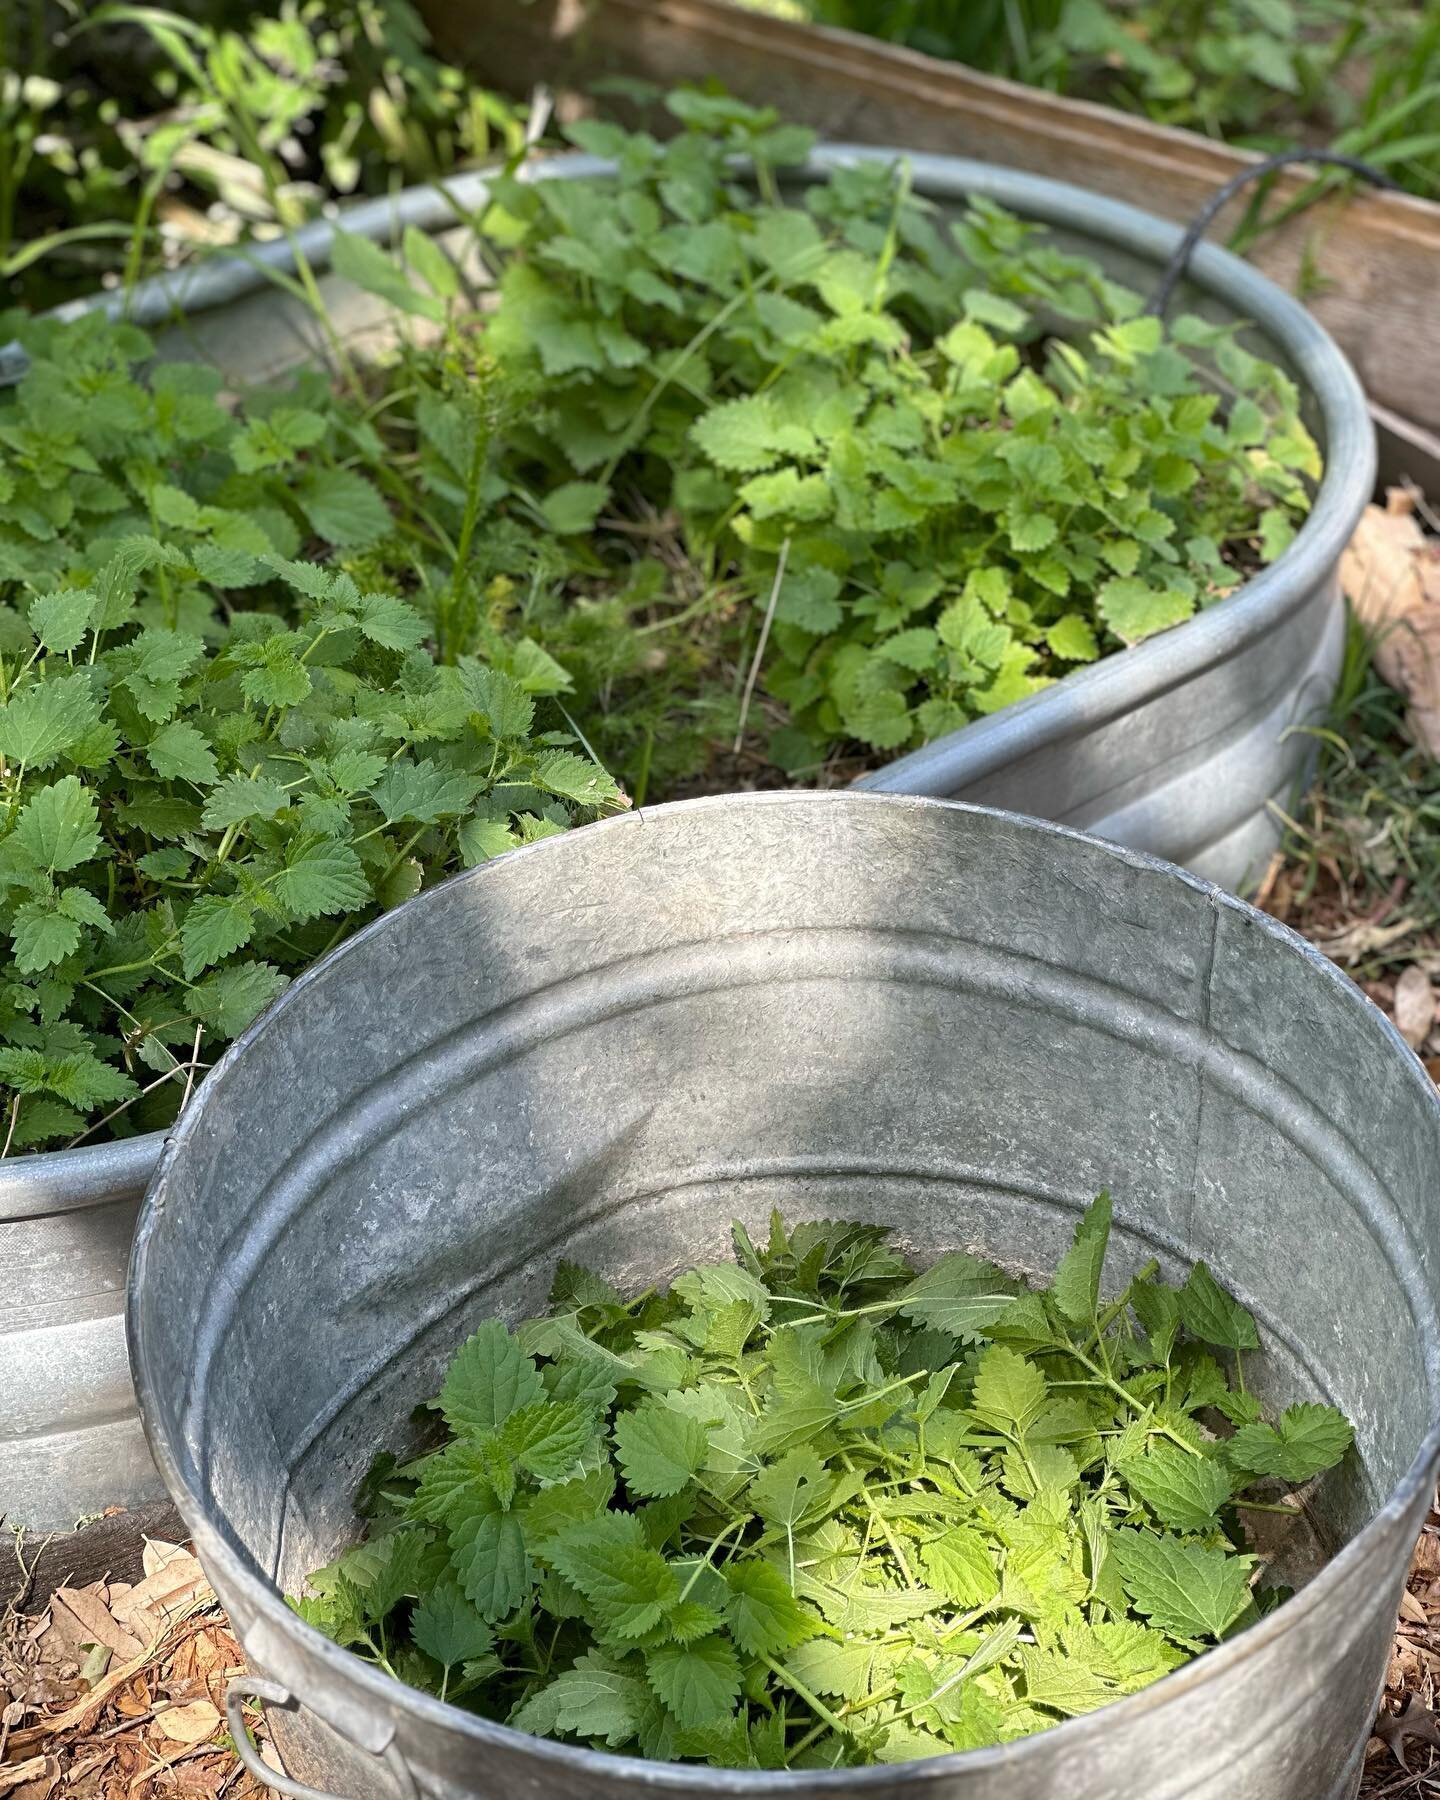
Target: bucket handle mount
[(273, 1693)]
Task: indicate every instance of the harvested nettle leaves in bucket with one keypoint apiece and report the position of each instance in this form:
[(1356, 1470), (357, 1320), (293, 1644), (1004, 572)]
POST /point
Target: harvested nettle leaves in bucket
[(812, 1510)]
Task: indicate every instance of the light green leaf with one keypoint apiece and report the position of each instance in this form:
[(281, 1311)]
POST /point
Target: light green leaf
[(960, 1294), (1187, 1590), (1208, 1313), (573, 507), (1077, 1280), (359, 260), (57, 826), (1184, 1492), (1010, 1392), (1306, 1439), (698, 1682), (659, 1449)]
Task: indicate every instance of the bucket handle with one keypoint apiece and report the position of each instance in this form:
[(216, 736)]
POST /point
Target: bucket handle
[(253, 1687)]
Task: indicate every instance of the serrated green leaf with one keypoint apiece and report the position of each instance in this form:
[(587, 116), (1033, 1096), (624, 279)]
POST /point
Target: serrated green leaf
[(1010, 1391), (1208, 1313), (214, 926), (1187, 1590), (447, 1626), (1184, 1492), (1307, 1439), (178, 751), (960, 1294), (698, 1682), (764, 1616), (489, 1379), (1077, 1280), (57, 826), (659, 1450), (629, 1585)]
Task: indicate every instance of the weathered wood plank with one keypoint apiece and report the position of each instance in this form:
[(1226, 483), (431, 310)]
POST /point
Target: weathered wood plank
[(1371, 263), (107, 1549)]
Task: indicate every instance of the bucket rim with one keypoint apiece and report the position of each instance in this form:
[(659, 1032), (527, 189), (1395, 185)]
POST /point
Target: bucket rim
[(238, 1576)]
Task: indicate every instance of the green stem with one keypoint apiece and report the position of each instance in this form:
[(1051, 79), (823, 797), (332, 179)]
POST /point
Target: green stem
[(816, 1705)]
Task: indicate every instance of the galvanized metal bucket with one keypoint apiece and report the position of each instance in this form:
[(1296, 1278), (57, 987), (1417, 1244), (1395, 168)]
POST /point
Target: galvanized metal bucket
[(609, 1044), (1175, 747)]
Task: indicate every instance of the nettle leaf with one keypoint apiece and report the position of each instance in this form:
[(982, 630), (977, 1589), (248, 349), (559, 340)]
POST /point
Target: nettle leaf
[(57, 826), (40, 721), (62, 621), (962, 1567), (241, 797), (344, 507), (960, 1294), (629, 1585), (320, 879), (1185, 1589), (659, 1449), (1208, 1313), (1010, 1392), (214, 926), (1077, 1280), (490, 1378), (1184, 1491), (448, 1627), (1307, 1439), (763, 1614), (595, 1699), (179, 750), (698, 1682)]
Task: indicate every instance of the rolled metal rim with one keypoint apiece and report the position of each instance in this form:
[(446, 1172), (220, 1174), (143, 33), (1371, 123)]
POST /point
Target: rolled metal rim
[(380, 1690), (1080, 701)]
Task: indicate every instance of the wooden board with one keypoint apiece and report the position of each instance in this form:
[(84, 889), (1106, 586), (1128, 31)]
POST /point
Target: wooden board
[(107, 1549), (1371, 263)]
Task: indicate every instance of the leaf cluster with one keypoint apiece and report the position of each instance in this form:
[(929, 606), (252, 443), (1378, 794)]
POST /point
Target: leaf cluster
[(951, 460), (196, 801), (811, 1509), (1359, 75), (142, 133)]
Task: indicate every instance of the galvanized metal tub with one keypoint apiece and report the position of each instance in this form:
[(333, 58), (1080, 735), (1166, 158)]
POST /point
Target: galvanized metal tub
[(607, 1045), (1176, 747)]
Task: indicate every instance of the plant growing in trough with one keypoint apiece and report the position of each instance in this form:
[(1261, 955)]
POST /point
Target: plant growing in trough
[(813, 1510)]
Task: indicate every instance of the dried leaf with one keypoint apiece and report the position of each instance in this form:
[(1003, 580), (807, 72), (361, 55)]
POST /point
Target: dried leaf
[(1391, 573), (161, 1598), (1411, 1609), (1414, 1006), (156, 1553), (192, 1724), (95, 1621), (39, 1769), (1417, 1722)]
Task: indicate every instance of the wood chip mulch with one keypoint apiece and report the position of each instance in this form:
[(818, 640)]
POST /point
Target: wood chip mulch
[(117, 1691)]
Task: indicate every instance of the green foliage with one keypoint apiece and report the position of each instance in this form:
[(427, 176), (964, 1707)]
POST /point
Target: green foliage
[(1273, 73), (813, 1510), (130, 135), (196, 802), (955, 460)]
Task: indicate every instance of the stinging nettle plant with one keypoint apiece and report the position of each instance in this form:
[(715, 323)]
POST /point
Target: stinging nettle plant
[(954, 461), (813, 1510)]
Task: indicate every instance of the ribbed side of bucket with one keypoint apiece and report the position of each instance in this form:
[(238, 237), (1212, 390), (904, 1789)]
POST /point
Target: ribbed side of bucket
[(607, 1046), (70, 1436)]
